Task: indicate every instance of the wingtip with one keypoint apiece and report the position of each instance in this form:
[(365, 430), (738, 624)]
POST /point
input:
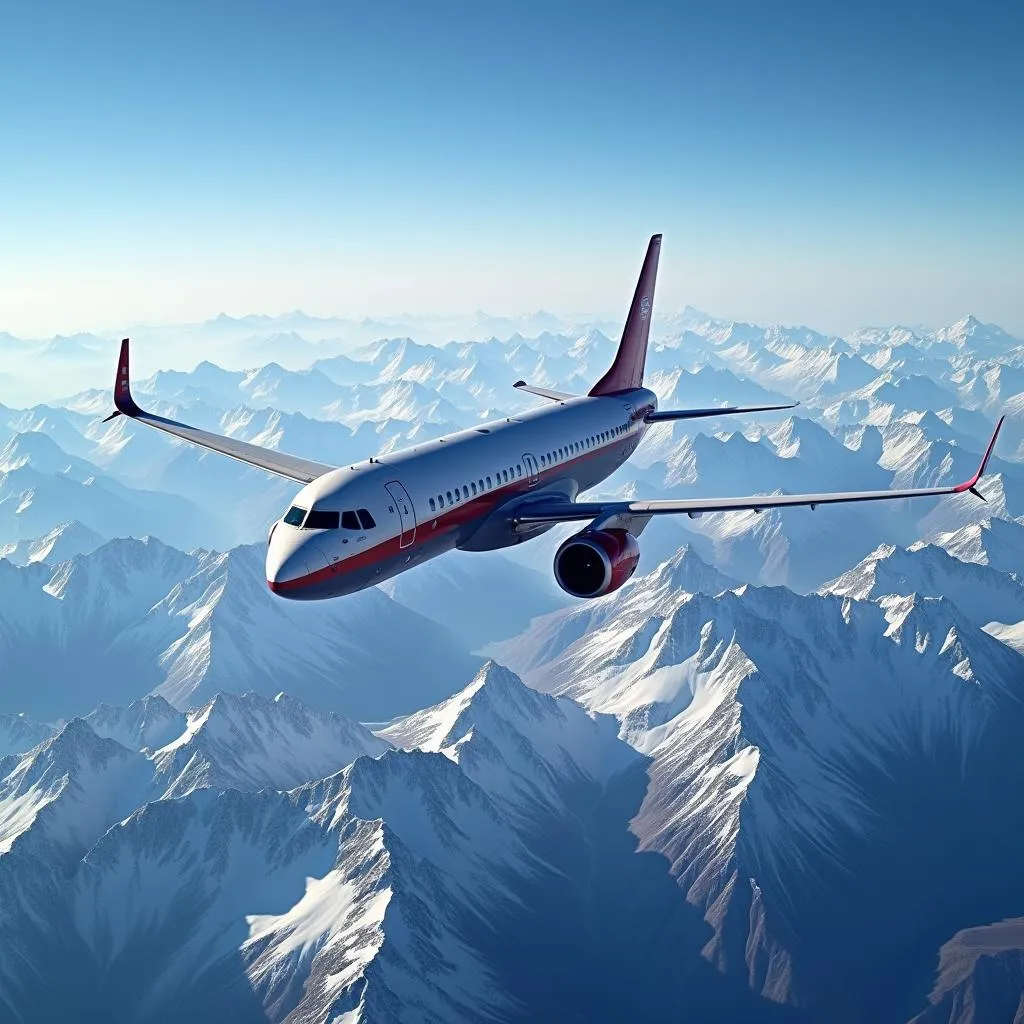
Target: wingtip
[(992, 443), (969, 485), (123, 401)]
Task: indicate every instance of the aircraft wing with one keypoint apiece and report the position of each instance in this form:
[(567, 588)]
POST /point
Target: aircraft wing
[(289, 466), (668, 415), (557, 510), (548, 393)]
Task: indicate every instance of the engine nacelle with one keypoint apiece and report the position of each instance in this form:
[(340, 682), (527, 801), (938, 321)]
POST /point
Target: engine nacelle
[(596, 562)]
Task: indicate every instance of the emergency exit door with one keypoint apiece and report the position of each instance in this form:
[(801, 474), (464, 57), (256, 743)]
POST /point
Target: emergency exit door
[(406, 513)]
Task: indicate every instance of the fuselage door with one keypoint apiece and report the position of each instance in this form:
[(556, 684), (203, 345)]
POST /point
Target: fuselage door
[(406, 513), (532, 471)]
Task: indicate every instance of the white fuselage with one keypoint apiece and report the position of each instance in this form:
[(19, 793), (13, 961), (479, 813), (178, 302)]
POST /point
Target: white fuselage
[(377, 518)]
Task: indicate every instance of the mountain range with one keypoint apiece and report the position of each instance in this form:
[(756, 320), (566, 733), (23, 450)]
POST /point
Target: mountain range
[(773, 778)]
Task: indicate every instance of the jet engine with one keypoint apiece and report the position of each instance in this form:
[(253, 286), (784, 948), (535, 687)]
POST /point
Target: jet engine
[(596, 562)]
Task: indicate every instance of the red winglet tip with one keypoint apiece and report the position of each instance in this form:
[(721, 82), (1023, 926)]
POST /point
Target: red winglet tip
[(968, 484)]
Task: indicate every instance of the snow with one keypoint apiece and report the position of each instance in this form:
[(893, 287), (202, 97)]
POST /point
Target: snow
[(250, 742), (517, 744), (19, 733), (758, 715), (183, 626), (74, 786), (329, 916), (1011, 635)]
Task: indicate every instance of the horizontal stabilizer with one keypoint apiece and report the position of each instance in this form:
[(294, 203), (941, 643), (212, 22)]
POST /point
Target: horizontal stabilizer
[(724, 410), (551, 396)]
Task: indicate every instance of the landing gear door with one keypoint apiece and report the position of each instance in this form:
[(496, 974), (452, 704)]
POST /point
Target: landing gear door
[(406, 513)]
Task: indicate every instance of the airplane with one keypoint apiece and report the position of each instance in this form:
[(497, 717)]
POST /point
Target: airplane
[(492, 485)]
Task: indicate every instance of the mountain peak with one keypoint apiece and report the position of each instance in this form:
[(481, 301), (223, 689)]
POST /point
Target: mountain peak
[(685, 571), (144, 724), (19, 733), (248, 742), (497, 679)]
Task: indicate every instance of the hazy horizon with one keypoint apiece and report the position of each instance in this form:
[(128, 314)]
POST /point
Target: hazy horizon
[(398, 320)]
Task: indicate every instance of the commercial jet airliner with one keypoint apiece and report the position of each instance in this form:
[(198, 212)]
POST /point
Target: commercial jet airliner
[(491, 486)]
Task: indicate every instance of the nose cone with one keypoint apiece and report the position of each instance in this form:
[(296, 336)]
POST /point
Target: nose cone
[(289, 562)]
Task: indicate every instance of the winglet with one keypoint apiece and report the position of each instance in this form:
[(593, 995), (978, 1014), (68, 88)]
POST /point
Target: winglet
[(123, 401), (969, 485)]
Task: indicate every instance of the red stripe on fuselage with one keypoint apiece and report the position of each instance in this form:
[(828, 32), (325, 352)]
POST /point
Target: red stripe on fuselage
[(479, 507)]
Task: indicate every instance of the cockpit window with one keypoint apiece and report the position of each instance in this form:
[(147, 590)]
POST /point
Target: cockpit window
[(365, 518), (321, 519), (349, 521), (294, 516)]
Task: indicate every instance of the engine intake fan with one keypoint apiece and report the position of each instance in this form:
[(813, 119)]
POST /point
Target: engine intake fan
[(596, 562)]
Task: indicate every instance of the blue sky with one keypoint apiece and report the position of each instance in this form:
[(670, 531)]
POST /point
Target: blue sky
[(834, 165)]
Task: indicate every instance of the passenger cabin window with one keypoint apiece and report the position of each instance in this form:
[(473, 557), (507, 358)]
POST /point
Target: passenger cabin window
[(433, 505), (321, 519), (488, 483), (365, 518), (294, 516), (472, 487), (450, 499), (349, 520)]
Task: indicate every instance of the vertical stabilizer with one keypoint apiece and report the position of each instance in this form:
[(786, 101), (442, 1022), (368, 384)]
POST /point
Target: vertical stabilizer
[(627, 371)]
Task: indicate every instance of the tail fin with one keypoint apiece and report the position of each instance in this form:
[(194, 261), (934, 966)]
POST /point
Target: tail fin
[(627, 370)]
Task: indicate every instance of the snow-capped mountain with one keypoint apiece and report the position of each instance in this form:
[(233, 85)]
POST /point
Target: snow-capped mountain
[(135, 617), (995, 542), (719, 801), (440, 882), (359, 895), (526, 746), (982, 593), (58, 545), (795, 742), (42, 487), (19, 733), (66, 792), (143, 725), (249, 742)]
